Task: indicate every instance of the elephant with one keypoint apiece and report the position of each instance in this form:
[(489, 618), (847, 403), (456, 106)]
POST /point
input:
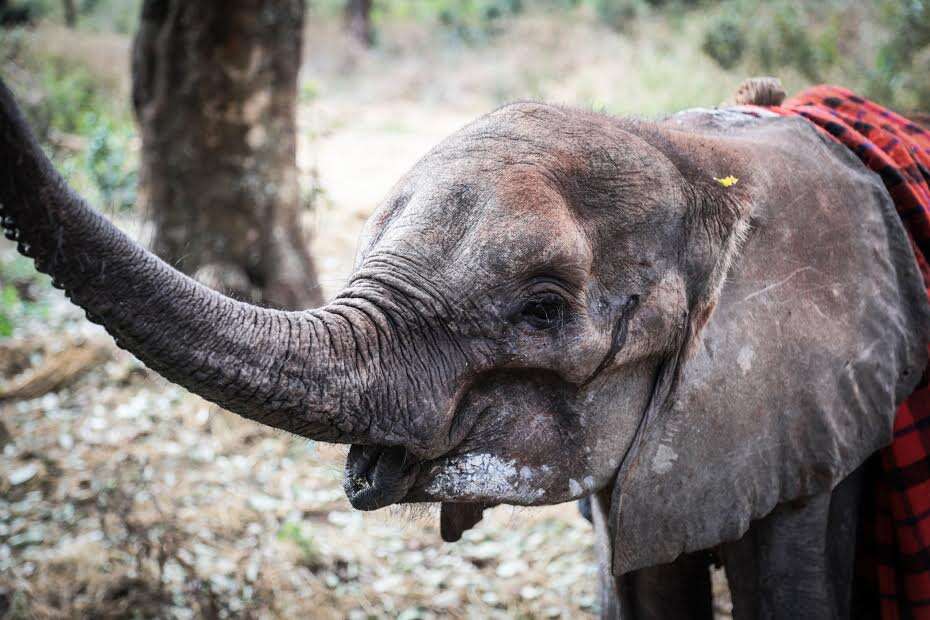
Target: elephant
[(703, 323)]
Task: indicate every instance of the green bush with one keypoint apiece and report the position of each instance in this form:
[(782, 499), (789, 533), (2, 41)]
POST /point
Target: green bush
[(773, 36), (470, 21), (73, 104), (110, 168), (618, 14), (109, 15), (790, 44), (725, 42), (476, 20), (97, 15), (880, 48), (902, 68), (19, 294), (70, 100)]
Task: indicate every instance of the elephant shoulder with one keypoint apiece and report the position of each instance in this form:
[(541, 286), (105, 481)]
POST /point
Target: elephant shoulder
[(820, 332)]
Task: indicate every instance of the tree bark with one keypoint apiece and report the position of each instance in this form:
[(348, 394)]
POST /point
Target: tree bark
[(70, 13), (215, 95), (12, 16), (358, 21)]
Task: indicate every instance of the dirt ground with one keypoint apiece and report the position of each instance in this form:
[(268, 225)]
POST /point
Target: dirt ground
[(122, 495)]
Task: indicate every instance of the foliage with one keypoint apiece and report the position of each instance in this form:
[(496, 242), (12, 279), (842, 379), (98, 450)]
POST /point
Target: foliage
[(109, 15), (74, 104), (478, 21), (618, 14), (95, 15), (91, 141), (903, 62), (310, 555), (108, 167), (471, 21), (19, 299), (881, 48), (474, 20), (725, 42), (309, 91), (69, 101)]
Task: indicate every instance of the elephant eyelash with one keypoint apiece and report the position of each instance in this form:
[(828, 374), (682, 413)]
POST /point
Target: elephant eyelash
[(543, 311)]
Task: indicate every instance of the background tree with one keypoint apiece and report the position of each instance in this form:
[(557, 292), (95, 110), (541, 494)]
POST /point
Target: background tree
[(15, 15), (215, 93), (358, 21), (70, 13)]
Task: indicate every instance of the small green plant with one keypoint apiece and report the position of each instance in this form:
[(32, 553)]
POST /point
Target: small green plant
[(109, 167), (89, 139), (20, 296), (9, 304), (310, 555), (309, 91)]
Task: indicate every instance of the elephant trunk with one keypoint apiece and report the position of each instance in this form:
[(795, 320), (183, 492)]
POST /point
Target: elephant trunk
[(310, 373)]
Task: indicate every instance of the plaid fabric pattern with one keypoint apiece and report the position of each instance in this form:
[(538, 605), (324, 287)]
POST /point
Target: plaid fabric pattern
[(893, 553)]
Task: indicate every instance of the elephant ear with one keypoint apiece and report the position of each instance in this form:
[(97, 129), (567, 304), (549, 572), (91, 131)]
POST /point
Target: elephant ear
[(818, 332)]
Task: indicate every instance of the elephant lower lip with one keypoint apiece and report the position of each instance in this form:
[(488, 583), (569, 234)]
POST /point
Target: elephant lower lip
[(376, 476), (457, 518)]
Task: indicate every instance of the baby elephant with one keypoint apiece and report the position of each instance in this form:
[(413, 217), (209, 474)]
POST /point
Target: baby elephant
[(705, 323)]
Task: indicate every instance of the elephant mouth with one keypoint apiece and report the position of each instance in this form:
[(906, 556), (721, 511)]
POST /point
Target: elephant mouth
[(376, 477)]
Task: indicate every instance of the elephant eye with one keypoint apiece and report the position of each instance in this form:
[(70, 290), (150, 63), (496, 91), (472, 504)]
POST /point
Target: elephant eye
[(543, 312)]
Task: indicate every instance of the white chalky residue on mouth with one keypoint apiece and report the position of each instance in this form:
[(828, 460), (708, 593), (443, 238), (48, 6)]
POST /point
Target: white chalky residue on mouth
[(485, 475), (577, 489)]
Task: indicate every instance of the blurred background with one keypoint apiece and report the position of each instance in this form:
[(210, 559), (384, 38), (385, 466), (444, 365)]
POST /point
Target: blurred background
[(246, 142)]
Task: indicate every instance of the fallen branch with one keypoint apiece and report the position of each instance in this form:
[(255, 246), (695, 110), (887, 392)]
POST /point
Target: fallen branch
[(58, 370)]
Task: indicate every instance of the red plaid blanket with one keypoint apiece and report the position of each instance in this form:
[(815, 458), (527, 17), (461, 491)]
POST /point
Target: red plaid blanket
[(893, 553)]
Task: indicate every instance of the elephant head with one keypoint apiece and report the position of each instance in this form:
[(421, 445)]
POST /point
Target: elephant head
[(553, 302)]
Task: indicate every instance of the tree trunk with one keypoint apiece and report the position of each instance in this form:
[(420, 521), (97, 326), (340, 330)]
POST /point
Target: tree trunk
[(215, 94), (70, 13), (12, 16), (358, 21)]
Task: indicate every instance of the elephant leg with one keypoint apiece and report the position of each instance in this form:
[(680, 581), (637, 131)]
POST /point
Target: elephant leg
[(679, 590), (798, 561)]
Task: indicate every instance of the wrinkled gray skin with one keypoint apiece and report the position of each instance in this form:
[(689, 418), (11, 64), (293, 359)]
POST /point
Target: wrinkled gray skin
[(554, 303)]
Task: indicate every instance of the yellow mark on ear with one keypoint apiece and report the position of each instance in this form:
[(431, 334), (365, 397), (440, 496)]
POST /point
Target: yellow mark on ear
[(727, 181)]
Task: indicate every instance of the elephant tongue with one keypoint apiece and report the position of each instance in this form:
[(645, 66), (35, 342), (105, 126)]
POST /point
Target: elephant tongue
[(456, 518)]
